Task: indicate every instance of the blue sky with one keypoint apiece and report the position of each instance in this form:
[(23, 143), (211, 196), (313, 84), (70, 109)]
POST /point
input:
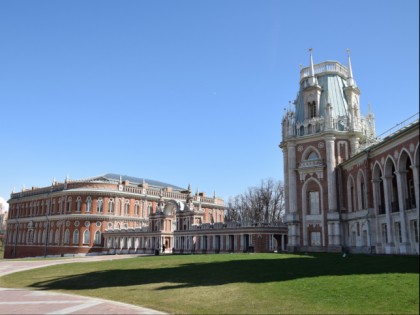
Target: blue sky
[(185, 92)]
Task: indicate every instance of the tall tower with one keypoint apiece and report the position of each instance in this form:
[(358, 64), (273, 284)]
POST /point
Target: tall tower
[(322, 130)]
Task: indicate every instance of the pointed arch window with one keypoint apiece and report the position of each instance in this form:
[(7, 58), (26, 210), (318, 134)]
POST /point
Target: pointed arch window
[(312, 109), (67, 236), (57, 236), (99, 205), (68, 204), (76, 237), (86, 237), (136, 208), (313, 156), (111, 205), (126, 207), (78, 204), (88, 204), (97, 240)]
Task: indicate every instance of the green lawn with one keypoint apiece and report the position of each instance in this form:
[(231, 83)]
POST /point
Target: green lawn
[(242, 283)]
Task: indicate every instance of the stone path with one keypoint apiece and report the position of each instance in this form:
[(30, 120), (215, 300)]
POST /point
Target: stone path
[(19, 301)]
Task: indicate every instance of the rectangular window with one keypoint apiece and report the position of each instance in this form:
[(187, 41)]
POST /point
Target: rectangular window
[(398, 232), (384, 234), (315, 238), (415, 230), (314, 202), (312, 110), (365, 238)]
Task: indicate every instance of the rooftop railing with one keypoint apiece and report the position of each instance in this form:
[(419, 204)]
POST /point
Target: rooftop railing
[(325, 67)]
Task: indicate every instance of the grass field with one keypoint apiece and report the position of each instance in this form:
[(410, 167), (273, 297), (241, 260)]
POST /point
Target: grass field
[(242, 283)]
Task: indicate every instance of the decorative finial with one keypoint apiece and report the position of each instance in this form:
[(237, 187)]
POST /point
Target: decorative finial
[(120, 179), (214, 194), (196, 192), (311, 63), (312, 80), (350, 80), (300, 67), (189, 187)]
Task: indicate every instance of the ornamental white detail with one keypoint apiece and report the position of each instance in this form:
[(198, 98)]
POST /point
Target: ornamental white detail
[(76, 223), (87, 223), (300, 148), (321, 145)]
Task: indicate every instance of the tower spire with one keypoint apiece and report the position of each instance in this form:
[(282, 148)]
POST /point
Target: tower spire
[(312, 80), (311, 62), (350, 80)]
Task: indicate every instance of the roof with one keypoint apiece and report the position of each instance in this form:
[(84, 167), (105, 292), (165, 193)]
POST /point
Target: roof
[(332, 85), (134, 180)]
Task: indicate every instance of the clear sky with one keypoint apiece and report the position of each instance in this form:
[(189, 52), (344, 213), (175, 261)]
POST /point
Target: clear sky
[(185, 92)]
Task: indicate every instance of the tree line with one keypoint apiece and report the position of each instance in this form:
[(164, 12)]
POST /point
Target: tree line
[(260, 204)]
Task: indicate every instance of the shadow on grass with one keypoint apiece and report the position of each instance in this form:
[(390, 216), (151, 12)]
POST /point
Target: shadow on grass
[(235, 271)]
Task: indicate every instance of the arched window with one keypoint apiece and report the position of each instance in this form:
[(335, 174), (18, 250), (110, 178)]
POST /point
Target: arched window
[(312, 109), (136, 208), (76, 237), (68, 204), (57, 236), (35, 236), (86, 237), (67, 236), (391, 180), (78, 204), (97, 240), (60, 204), (88, 204), (111, 205), (99, 205), (50, 236), (126, 207), (361, 191), (313, 156)]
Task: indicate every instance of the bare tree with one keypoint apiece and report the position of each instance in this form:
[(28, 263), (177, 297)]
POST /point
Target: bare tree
[(261, 204)]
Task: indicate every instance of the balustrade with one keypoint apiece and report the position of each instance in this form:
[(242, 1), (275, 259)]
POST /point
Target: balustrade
[(327, 66)]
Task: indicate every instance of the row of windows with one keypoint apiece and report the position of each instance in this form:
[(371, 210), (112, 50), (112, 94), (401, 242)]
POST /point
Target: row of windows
[(39, 237), (414, 232), (42, 208)]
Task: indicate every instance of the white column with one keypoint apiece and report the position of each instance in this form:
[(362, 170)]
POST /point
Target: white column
[(415, 169), (387, 197), (332, 199), (291, 155), (401, 177)]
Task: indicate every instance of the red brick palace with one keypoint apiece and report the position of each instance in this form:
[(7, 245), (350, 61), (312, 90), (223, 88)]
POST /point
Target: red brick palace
[(120, 214)]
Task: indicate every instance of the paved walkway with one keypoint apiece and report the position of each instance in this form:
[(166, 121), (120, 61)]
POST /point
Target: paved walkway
[(19, 301)]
